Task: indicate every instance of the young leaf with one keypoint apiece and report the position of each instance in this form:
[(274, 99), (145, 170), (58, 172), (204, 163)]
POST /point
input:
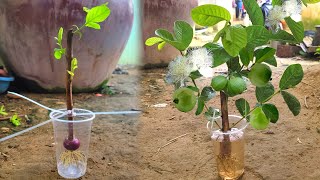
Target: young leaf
[(292, 76), (292, 102), (183, 35), (264, 54), (260, 75), (161, 45), (263, 93), (239, 40), (296, 28), (60, 35), (254, 12), (258, 119), (15, 120), (153, 40), (96, 15), (93, 25), (200, 106), (3, 111), (271, 112), (243, 107), (219, 54), (209, 15), (74, 66)]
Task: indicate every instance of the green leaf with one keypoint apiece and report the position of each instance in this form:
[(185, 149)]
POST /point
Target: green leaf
[(272, 61), (195, 89), (257, 36), (260, 75), (264, 92), (264, 54), (3, 111), (200, 106), (254, 12), (283, 36), (311, 1), (239, 40), (60, 35), (74, 66), (220, 34), (243, 107), (57, 54), (209, 15), (96, 15), (161, 45), (218, 83), (15, 120), (258, 119), (207, 93), (234, 65), (246, 56), (277, 2), (183, 35), (195, 75), (271, 112), (85, 9), (153, 40), (93, 25), (219, 54), (296, 28), (292, 76), (292, 102)]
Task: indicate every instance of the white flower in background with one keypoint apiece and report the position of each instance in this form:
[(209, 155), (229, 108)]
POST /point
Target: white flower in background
[(179, 70), (291, 7), (202, 60), (276, 14)]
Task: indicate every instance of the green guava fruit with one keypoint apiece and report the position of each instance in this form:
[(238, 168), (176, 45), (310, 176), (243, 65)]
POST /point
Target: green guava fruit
[(260, 75), (218, 83), (184, 99), (235, 86)]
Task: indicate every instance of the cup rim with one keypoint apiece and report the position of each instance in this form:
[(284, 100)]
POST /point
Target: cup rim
[(240, 129), (55, 115)]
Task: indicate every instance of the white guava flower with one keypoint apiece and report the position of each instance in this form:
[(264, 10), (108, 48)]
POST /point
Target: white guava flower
[(276, 14), (179, 70), (291, 7), (202, 61)]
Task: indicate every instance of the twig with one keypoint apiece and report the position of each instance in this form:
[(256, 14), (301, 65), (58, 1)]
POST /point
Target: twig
[(305, 102), (171, 141), (8, 118)]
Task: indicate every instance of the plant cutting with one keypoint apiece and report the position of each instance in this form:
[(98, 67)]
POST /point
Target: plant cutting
[(72, 132), (245, 52)]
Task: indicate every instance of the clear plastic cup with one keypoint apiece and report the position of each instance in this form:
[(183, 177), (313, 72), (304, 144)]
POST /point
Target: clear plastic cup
[(229, 148), (72, 164)]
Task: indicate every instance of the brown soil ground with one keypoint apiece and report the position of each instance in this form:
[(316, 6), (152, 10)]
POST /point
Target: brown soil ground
[(126, 147)]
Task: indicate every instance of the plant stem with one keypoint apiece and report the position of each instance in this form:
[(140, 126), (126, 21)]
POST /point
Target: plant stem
[(69, 101), (224, 111)]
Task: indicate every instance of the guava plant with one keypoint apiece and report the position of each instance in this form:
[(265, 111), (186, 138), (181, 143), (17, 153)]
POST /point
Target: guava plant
[(94, 16), (246, 53)]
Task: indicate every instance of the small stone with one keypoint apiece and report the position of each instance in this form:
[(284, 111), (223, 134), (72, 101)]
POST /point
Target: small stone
[(103, 158), (13, 146), (5, 130), (109, 164), (308, 128), (52, 170)]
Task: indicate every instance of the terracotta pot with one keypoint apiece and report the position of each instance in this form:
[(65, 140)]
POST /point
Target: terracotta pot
[(163, 14), (28, 29)]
